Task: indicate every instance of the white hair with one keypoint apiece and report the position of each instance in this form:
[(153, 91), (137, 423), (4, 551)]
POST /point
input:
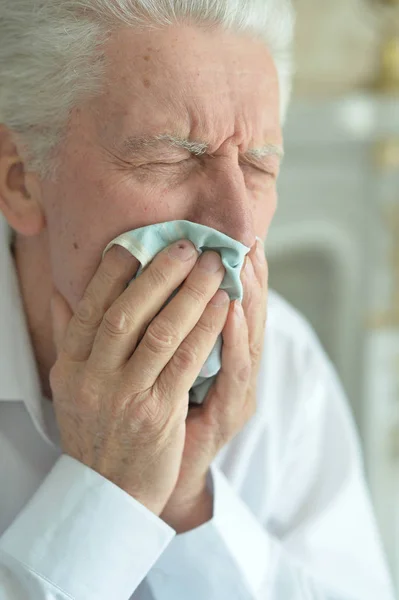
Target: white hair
[(51, 55)]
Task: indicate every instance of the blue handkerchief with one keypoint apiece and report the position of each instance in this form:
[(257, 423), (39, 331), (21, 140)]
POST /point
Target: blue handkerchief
[(145, 243)]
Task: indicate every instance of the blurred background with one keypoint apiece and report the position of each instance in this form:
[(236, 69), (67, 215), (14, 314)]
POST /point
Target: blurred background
[(333, 249)]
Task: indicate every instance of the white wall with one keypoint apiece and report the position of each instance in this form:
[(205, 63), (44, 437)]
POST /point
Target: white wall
[(329, 253)]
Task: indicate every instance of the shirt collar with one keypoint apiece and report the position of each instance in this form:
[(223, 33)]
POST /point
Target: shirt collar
[(19, 377)]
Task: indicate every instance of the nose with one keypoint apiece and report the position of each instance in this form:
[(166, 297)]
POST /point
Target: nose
[(223, 203)]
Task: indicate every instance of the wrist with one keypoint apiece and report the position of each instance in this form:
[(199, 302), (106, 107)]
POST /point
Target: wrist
[(189, 514)]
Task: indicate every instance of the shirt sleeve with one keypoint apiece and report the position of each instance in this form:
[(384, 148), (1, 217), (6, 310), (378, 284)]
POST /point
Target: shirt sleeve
[(80, 537), (318, 540)]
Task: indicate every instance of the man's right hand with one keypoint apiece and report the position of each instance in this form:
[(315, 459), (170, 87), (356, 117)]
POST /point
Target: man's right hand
[(124, 367)]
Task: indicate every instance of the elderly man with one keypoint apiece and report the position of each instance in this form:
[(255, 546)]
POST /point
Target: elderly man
[(118, 115)]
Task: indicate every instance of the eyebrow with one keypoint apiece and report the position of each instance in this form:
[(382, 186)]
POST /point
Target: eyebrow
[(135, 145)]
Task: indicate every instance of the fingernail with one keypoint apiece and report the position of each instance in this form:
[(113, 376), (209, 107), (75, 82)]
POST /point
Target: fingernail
[(182, 250), (210, 261), (220, 298)]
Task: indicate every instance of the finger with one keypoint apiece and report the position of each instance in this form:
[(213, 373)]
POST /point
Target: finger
[(166, 333), (254, 279), (252, 292), (109, 281), (61, 315), (127, 319), (257, 258), (185, 365), (260, 263), (226, 400)]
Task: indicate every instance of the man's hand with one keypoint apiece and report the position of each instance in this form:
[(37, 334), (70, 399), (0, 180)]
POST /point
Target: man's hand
[(125, 367), (230, 403)]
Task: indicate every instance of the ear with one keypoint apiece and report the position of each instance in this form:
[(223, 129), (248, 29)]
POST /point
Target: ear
[(20, 192)]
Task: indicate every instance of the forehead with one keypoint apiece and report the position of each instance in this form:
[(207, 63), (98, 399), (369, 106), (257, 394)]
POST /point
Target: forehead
[(206, 83)]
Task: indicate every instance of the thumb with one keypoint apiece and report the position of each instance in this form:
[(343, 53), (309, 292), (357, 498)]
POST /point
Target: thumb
[(61, 316)]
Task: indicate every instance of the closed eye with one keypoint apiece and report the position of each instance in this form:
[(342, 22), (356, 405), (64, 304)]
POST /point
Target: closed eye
[(263, 170), (183, 163), (173, 162)]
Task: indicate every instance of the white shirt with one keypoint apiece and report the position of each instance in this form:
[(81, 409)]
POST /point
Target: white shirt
[(292, 518)]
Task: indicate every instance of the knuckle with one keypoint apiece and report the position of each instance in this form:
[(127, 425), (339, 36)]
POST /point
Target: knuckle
[(86, 393), (115, 321), (159, 274), (86, 314), (85, 311), (208, 326), (161, 335), (149, 412), (195, 293), (185, 357), (117, 406), (256, 350), (88, 388), (244, 373)]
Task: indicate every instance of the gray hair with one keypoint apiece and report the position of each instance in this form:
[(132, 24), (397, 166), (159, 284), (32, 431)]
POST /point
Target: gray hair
[(51, 58)]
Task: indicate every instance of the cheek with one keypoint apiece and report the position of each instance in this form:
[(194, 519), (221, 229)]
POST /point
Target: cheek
[(265, 206), (78, 223), (91, 209), (81, 221)]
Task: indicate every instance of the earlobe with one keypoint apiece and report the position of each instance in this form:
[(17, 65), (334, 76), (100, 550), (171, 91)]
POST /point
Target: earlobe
[(20, 192)]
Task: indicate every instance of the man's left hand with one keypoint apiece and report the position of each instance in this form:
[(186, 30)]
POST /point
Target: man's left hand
[(230, 402)]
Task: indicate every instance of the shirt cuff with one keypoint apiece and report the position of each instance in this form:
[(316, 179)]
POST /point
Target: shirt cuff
[(86, 535), (231, 556)]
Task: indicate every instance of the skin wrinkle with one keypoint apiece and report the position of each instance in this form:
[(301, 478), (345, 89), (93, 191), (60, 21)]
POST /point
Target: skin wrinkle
[(135, 145), (198, 92), (160, 148)]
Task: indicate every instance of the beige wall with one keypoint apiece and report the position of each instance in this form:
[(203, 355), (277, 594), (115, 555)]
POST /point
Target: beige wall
[(337, 46)]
